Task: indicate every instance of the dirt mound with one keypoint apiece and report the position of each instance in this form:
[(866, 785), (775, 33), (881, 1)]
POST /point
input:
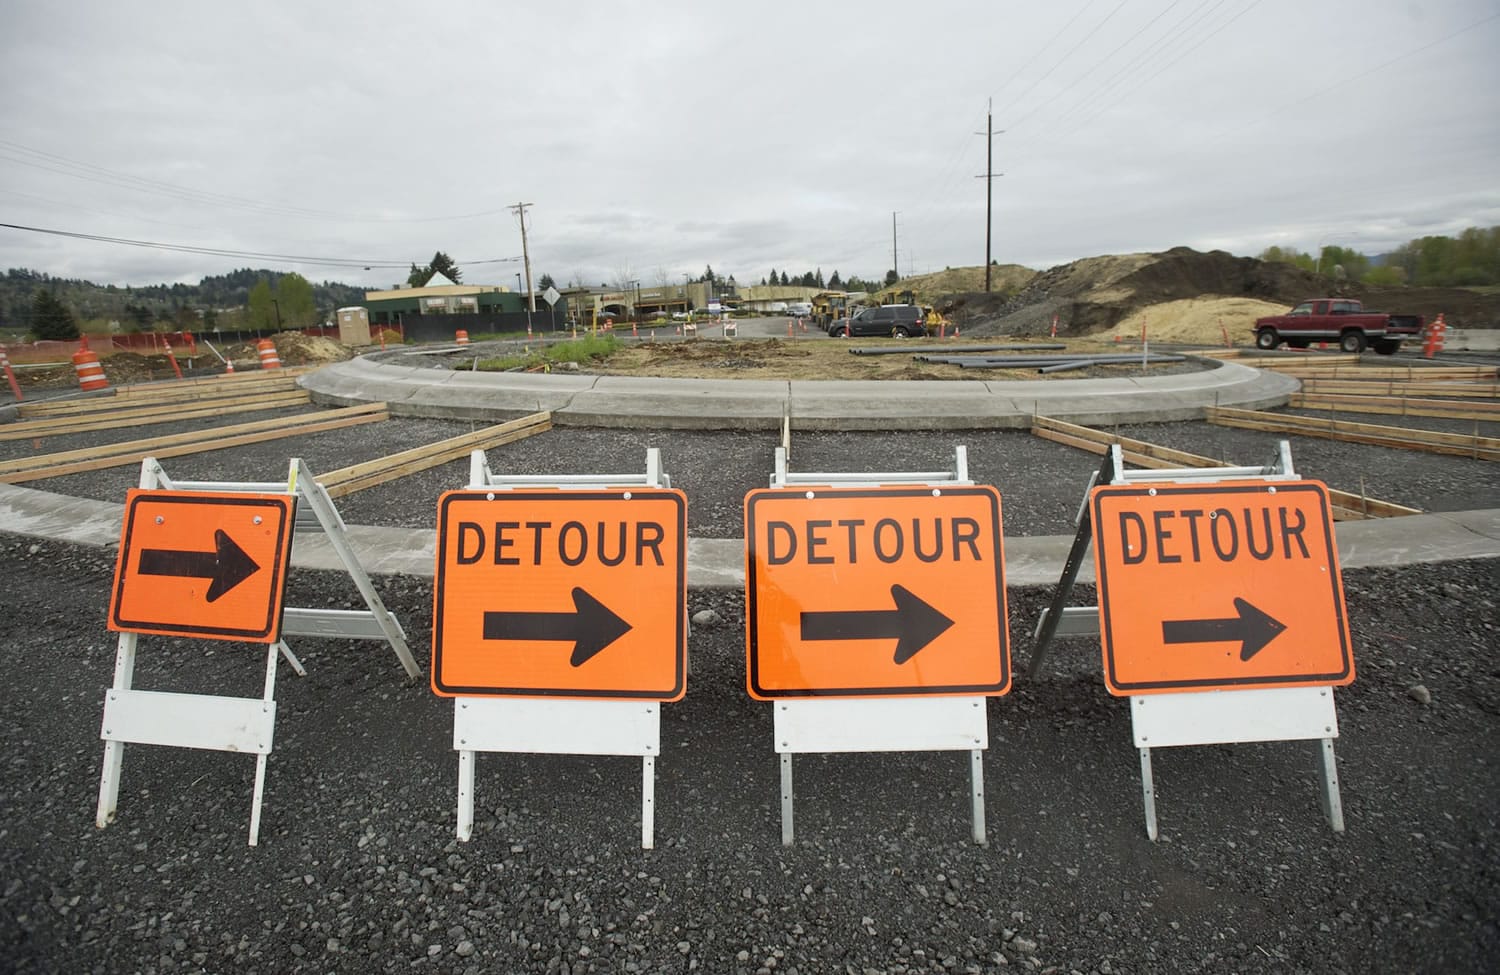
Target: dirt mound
[(296, 349), (1104, 294), (1197, 321), (954, 280)]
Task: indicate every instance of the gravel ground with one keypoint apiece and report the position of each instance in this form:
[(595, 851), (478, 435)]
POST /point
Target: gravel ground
[(358, 870), (1041, 482)]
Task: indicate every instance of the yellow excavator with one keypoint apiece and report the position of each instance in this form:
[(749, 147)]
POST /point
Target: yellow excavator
[(830, 307)]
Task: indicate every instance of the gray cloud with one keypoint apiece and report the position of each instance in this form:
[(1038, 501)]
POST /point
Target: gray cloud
[(664, 136)]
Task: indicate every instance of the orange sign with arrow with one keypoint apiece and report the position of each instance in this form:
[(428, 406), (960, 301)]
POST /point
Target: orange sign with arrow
[(1226, 586), (875, 592), (561, 593), (202, 565)]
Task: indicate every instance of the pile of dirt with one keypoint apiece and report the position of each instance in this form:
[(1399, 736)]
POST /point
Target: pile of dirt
[(1109, 294), (120, 369), (1006, 278), (296, 349)]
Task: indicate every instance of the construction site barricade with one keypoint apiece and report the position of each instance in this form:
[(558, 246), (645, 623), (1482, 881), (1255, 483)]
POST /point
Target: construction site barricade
[(90, 372), (1436, 338), (268, 357), (461, 337)]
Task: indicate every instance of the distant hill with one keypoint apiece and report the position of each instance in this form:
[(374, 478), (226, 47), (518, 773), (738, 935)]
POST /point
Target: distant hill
[(225, 294)]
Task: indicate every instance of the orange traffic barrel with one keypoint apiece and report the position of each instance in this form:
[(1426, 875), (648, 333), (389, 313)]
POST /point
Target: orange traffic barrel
[(90, 372), (461, 337), (268, 357)]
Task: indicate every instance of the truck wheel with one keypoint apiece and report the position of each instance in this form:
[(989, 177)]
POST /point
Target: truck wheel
[(1352, 342), (1267, 338)]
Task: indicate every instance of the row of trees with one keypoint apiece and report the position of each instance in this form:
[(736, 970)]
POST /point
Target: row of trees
[(1471, 259)]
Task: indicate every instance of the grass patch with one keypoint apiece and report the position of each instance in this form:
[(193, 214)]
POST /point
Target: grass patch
[(544, 357)]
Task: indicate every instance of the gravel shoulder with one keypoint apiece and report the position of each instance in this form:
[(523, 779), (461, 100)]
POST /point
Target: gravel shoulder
[(358, 870)]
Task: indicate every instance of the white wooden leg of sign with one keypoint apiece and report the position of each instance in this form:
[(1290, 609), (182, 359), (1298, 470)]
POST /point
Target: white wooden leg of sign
[(114, 749), (1148, 793), (1233, 717), (465, 794), (269, 696), (1333, 806), (291, 658), (890, 724), (976, 778), (648, 802), (542, 726), (786, 799)]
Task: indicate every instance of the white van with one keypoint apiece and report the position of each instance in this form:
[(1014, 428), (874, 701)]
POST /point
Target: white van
[(801, 309)]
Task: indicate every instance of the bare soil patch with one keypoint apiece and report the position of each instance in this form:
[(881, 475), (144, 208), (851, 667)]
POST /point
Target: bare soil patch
[(777, 359)]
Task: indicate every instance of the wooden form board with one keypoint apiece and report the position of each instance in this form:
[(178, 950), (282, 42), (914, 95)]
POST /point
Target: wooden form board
[(1396, 406), (148, 415), (133, 451), (183, 394), (1408, 373), (1346, 506), (1461, 390), (1456, 444), (357, 477)]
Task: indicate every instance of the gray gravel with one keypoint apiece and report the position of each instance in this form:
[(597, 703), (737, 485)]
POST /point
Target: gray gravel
[(1041, 482), (358, 870)]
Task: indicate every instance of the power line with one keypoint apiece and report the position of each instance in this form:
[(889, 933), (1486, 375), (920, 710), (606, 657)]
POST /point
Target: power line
[(367, 265)]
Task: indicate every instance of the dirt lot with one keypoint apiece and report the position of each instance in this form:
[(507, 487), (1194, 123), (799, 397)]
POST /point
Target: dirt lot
[(812, 359)]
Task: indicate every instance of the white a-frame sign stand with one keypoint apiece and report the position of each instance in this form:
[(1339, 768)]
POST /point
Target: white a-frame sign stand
[(1188, 717), (215, 722), (812, 725), (552, 722)]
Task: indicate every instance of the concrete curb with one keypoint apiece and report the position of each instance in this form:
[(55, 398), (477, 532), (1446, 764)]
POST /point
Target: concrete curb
[(719, 563), (699, 404)]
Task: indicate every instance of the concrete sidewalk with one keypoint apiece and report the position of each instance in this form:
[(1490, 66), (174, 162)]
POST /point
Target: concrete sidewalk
[(720, 563), (747, 404)]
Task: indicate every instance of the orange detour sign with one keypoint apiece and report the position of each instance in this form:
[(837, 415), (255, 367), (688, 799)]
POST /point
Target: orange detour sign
[(875, 592), (1224, 586), (202, 565), (577, 594)]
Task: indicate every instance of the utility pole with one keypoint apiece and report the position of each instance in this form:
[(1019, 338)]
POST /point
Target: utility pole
[(989, 134), (894, 265), (520, 211)]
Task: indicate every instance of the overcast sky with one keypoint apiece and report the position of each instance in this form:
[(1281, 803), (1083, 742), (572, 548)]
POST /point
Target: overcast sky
[(653, 138)]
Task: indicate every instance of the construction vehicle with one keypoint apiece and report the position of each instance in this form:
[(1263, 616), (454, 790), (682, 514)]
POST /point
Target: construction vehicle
[(829, 307)]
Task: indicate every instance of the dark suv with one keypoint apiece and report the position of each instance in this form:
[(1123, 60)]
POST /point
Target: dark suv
[(897, 321)]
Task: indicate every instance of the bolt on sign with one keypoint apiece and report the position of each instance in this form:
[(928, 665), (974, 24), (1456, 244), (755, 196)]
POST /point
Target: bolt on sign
[(875, 592), (202, 565), (1226, 586), (579, 594)]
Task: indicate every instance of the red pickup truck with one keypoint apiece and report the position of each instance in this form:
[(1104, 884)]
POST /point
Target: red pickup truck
[(1341, 320)]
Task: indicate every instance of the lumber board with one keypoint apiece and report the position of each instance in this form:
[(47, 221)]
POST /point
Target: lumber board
[(146, 416), (104, 404), (358, 477), (1408, 373), (1396, 406), (1344, 506), (1459, 390), (1454, 444), (152, 443), (1305, 360), (136, 456)]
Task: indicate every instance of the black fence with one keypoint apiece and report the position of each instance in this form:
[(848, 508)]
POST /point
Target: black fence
[(440, 328)]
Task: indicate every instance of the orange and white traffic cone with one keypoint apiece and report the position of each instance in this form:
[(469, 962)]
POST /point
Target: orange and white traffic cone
[(10, 375), (172, 359)]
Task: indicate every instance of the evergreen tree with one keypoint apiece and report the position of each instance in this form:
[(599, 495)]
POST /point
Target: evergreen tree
[(444, 265), (545, 282), (51, 319), (834, 283)]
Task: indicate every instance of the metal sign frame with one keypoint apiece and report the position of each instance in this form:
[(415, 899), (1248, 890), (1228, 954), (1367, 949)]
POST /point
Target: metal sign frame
[(235, 724), (878, 724), (1198, 717), (557, 725)]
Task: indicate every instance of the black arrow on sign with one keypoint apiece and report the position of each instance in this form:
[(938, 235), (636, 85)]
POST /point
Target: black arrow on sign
[(591, 626), (912, 624), (227, 565), (1253, 629)]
